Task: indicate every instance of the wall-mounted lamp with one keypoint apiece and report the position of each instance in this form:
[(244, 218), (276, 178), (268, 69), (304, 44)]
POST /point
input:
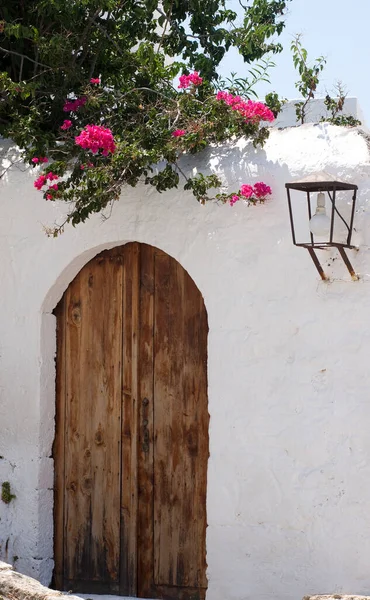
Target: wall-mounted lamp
[(324, 219)]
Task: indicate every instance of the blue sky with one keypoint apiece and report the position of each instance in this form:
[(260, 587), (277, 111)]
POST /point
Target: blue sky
[(336, 29)]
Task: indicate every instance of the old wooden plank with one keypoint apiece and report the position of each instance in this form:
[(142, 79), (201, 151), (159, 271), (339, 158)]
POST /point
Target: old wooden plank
[(165, 427), (195, 425), (180, 428), (76, 505), (146, 410), (180, 593), (130, 397), (58, 446), (106, 293), (92, 444)]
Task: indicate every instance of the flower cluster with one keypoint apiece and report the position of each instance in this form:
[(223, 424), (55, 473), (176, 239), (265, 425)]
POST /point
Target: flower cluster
[(188, 80), (100, 140), (258, 192), (43, 179), (178, 132), (261, 190), (250, 110), (73, 105), (95, 138), (66, 124), (39, 159)]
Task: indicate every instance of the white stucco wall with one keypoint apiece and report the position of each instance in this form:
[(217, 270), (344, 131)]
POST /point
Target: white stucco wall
[(289, 377)]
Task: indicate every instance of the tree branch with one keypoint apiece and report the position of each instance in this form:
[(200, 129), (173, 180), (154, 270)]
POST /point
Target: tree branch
[(14, 53), (109, 37)]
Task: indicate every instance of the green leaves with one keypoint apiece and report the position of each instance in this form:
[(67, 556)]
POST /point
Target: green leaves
[(201, 184), (50, 49), (245, 85), (335, 107), (164, 180), (309, 76)]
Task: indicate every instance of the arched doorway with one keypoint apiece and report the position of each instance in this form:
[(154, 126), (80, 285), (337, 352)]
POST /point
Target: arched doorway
[(131, 444)]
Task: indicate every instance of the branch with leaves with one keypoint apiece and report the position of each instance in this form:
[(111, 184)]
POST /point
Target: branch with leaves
[(89, 88), (335, 108), (309, 76)]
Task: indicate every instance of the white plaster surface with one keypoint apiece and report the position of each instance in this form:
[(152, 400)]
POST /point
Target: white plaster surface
[(289, 377)]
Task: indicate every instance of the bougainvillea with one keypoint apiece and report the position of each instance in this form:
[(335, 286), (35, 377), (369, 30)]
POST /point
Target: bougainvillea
[(40, 182), (95, 138), (259, 192), (178, 132), (101, 133), (251, 111), (66, 124), (39, 159), (73, 105), (191, 79)]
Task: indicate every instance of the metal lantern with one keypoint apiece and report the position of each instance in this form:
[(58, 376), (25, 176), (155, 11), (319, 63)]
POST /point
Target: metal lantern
[(327, 226)]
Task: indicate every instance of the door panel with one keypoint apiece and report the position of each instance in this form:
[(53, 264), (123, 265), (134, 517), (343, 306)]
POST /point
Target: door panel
[(180, 429), (146, 416), (131, 444), (130, 425), (92, 435)]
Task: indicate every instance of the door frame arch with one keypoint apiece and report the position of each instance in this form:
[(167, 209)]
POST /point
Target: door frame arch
[(200, 295)]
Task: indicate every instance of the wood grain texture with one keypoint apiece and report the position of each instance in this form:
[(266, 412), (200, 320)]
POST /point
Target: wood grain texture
[(146, 414), (129, 502), (92, 424), (180, 428), (131, 446)]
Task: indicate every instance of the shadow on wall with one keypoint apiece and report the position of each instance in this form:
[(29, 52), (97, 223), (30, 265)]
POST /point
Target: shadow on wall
[(237, 164)]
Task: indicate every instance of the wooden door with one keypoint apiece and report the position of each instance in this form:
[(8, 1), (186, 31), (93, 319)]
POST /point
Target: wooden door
[(131, 444)]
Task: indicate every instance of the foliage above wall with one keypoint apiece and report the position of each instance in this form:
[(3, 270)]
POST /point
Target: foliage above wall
[(307, 84), (88, 87)]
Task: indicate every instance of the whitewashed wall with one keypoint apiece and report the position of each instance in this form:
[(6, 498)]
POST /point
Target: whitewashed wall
[(289, 368)]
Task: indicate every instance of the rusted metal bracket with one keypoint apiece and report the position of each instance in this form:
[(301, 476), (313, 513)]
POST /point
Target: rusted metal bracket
[(344, 258), (317, 264), (347, 263)]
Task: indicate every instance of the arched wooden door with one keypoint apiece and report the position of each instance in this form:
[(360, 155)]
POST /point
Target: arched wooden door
[(131, 445)]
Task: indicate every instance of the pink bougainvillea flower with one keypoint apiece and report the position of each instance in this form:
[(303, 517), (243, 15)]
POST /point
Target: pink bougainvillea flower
[(246, 191), (49, 196), (179, 133), (82, 167), (40, 181), (41, 159), (95, 138), (73, 105), (51, 176), (188, 80), (261, 190), (234, 198), (66, 124), (54, 187), (249, 109), (95, 80), (69, 106)]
